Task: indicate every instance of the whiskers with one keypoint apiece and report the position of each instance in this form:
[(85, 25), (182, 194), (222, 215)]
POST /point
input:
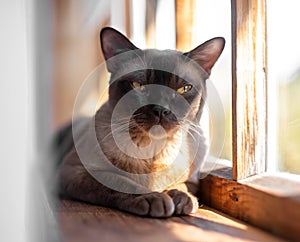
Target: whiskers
[(126, 128), (191, 128), (121, 126)]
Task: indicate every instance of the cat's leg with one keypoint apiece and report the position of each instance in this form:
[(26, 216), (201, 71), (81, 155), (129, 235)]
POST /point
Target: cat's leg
[(185, 202), (77, 183)]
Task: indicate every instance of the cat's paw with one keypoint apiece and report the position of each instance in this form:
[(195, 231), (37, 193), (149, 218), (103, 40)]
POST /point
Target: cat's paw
[(155, 204), (184, 203)]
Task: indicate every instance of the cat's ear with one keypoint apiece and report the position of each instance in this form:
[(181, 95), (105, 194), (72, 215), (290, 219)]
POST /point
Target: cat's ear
[(207, 53), (114, 43)]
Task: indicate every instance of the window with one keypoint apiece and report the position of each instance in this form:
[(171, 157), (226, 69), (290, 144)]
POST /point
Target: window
[(265, 199), (219, 24), (284, 79)]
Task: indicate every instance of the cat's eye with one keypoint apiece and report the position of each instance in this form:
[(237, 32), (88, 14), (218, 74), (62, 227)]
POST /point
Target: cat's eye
[(184, 89), (138, 86)]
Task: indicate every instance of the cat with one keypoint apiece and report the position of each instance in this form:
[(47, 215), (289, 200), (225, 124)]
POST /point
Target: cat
[(148, 133)]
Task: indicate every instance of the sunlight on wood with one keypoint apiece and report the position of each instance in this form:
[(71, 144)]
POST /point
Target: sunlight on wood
[(194, 234), (84, 222), (210, 225), (213, 216), (277, 183)]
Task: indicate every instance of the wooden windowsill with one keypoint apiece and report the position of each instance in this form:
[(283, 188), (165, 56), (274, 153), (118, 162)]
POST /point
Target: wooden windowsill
[(84, 222), (268, 201)]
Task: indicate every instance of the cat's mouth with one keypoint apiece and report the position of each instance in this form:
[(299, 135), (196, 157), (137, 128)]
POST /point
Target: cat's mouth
[(156, 132), (155, 121)]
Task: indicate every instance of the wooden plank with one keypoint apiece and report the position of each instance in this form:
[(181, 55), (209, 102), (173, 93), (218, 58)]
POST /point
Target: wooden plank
[(120, 16), (84, 222), (151, 23), (249, 87), (263, 201), (128, 18), (184, 24)]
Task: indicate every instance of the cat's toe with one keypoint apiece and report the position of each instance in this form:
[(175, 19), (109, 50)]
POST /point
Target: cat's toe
[(184, 203), (154, 205)]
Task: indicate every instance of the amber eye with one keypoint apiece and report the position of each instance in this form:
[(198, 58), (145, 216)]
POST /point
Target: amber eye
[(138, 86), (184, 89)]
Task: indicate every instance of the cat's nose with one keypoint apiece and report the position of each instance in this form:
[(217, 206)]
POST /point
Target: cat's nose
[(160, 111)]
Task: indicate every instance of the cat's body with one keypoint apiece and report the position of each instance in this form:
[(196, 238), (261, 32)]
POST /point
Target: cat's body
[(149, 128)]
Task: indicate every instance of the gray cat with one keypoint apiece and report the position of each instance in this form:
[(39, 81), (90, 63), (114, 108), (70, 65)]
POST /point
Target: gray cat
[(148, 146)]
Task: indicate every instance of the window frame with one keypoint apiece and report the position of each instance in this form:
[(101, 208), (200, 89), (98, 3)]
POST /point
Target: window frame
[(246, 190)]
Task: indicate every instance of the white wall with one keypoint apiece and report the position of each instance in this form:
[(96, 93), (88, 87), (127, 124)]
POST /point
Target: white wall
[(14, 106), (25, 126)]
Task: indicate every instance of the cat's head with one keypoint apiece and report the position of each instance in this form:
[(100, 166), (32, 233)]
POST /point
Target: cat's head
[(152, 87)]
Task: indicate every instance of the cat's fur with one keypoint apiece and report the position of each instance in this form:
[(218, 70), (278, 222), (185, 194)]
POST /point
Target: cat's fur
[(184, 137)]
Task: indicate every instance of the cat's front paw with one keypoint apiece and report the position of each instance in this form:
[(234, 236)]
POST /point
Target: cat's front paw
[(155, 204), (184, 203)]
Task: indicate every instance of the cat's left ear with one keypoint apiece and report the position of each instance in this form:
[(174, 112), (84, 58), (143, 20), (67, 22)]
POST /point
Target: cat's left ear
[(112, 44), (207, 53)]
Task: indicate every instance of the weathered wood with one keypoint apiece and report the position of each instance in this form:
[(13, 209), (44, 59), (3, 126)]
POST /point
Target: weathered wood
[(185, 10), (249, 92), (83, 222), (269, 202)]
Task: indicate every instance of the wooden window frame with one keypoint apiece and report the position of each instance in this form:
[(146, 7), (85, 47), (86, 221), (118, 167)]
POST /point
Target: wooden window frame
[(246, 190)]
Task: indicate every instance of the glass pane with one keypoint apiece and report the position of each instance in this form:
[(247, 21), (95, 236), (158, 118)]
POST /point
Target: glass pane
[(284, 84), (213, 18)]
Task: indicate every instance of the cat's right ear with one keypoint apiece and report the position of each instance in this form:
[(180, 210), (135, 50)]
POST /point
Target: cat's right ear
[(207, 53), (112, 44)]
